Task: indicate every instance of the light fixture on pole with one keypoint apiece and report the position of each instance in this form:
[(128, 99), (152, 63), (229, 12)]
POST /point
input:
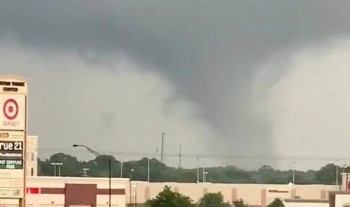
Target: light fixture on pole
[(109, 170), (205, 175), (57, 165), (85, 171), (54, 169)]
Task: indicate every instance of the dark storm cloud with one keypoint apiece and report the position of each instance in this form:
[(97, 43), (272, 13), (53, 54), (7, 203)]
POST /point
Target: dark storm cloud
[(210, 50)]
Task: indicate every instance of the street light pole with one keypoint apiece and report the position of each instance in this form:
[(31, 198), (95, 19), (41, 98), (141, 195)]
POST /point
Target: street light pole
[(336, 171), (109, 171), (130, 179), (148, 169), (336, 175), (110, 181)]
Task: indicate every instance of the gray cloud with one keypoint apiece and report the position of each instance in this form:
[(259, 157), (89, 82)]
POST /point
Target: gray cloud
[(210, 50)]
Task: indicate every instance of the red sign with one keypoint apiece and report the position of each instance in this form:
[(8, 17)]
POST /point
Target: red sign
[(10, 109), (33, 190)]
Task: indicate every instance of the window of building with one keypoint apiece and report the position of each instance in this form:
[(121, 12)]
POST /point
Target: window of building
[(32, 171), (33, 156)]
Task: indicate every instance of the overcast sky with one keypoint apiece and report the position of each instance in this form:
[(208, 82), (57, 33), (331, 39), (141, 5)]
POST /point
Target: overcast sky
[(233, 79)]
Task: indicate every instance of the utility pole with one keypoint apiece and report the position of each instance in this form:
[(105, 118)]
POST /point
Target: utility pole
[(293, 172), (180, 156), (162, 149), (130, 191)]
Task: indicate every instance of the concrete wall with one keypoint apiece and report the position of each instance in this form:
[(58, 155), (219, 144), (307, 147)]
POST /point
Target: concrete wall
[(306, 203), (57, 200), (32, 156), (253, 194), (59, 182), (314, 191)]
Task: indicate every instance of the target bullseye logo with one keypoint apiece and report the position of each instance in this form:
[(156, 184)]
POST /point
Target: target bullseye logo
[(10, 109)]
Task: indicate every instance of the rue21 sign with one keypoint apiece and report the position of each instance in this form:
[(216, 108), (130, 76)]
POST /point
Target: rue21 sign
[(12, 111), (11, 155)]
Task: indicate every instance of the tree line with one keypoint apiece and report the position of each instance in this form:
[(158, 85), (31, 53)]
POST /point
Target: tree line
[(169, 198), (159, 172)]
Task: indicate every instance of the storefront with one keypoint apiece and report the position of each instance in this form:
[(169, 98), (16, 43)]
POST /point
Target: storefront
[(66, 192)]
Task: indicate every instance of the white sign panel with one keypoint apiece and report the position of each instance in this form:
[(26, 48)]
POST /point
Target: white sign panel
[(342, 200), (11, 192), (12, 111)]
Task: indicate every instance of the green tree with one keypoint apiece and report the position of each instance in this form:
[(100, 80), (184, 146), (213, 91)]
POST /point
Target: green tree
[(327, 174), (276, 203), (239, 203), (266, 174), (71, 166), (159, 172), (99, 167), (212, 200), (169, 198)]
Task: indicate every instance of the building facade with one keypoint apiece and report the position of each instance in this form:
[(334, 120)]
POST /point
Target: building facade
[(67, 191), (252, 194), (32, 156), (52, 191)]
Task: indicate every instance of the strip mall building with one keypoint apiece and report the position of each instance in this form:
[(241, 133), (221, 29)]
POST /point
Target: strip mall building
[(37, 191), (67, 191), (85, 191)]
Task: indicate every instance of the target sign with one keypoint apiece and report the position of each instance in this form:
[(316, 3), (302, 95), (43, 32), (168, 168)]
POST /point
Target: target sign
[(10, 109), (13, 114)]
